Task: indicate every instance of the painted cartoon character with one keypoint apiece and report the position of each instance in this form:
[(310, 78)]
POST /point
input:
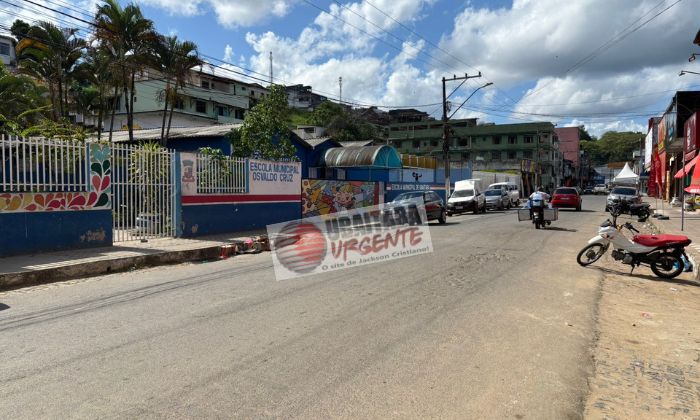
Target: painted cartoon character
[(343, 197)]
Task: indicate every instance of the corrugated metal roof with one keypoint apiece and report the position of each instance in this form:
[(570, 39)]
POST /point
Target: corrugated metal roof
[(356, 143), (358, 156), (175, 133), (313, 142)]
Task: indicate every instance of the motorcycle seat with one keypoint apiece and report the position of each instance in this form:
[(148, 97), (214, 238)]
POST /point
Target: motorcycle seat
[(637, 206), (661, 240)]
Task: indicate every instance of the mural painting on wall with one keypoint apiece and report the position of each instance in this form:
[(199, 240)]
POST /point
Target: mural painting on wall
[(321, 196), (97, 198)]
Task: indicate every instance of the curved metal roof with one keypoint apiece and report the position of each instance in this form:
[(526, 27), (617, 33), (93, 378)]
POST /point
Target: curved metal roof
[(358, 156)]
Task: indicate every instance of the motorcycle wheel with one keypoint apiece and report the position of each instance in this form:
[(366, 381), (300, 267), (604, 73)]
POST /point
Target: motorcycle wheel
[(643, 216), (668, 266), (537, 225), (590, 254)]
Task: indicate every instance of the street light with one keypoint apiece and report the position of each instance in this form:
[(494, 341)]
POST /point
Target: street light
[(686, 72), (465, 101), (445, 126)]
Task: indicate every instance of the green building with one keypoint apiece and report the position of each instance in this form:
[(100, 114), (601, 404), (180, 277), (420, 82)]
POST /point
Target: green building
[(486, 147)]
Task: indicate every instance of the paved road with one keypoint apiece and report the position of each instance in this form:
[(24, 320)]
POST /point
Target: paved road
[(496, 323)]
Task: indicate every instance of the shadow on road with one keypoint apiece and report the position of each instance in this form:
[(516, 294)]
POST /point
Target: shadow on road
[(648, 277), (560, 229), (3, 307)]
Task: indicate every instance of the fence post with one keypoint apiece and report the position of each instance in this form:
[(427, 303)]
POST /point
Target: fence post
[(177, 194), (247, 175)]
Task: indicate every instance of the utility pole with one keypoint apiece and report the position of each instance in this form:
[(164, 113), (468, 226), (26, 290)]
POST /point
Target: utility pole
[(271, 79), (340, 85), (446, 130)]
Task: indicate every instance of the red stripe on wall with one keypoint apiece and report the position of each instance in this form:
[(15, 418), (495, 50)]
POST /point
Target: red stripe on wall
[(215, 199)]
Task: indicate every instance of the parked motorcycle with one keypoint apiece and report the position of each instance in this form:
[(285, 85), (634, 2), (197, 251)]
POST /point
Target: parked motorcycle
[(664, 254), (641, 210)]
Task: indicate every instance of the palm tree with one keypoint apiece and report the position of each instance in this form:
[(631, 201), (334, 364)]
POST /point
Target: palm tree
[(51, 54), (99, 71), (129, 36), (174, 59)]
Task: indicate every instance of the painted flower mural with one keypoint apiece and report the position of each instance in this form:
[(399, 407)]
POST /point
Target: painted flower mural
[(97, 196)]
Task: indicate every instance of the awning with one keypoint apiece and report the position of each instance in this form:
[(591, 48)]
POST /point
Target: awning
[(688, 167)]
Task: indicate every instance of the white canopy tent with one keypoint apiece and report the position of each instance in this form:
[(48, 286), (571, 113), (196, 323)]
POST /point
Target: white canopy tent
[(626, 176)]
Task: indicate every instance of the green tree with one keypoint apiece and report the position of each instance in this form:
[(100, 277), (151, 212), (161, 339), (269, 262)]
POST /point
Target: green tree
[(174, 59), (22, 102), (51, 54), (20, 29), (130, 38), (341, 124), (612, 146), (265, 132)]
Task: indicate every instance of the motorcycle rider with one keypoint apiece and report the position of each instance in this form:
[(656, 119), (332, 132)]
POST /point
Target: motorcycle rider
[(538, 201)]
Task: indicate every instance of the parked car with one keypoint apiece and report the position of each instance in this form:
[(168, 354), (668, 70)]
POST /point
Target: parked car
[(497, 199), (628, 194), (466, 200), (434, 205), (566, 197), (512, 190), (600, 189), (588, 189)]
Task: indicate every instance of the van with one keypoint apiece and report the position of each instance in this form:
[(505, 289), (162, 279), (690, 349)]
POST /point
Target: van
[(511, 188)]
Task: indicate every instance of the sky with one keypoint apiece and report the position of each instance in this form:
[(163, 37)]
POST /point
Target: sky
[(605, 64)]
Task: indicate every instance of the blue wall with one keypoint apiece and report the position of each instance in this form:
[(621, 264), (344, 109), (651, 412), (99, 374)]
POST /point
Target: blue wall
[(228, 218), (32, 232)]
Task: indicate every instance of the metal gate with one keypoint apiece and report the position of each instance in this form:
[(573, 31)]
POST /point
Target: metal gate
[(143, 192)]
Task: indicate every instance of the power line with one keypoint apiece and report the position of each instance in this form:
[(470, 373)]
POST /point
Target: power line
[(608, 44)]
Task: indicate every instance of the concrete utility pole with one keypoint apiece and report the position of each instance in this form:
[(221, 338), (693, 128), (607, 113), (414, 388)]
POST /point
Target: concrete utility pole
[(271, 79), (340, 85), (446, 129)]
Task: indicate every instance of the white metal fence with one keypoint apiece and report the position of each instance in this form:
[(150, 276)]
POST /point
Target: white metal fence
[(224, 175), (42, 165), (143, 193)]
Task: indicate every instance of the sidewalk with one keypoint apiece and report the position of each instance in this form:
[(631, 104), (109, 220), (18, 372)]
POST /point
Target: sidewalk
[(647, 362), (691, 228), (25, 270)]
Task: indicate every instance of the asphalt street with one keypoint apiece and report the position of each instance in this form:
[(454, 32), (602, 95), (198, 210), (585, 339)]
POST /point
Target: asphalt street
[(496, 323)]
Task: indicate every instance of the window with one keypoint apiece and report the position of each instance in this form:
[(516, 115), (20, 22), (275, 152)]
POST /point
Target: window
[(512, 139), (221, 111), (239, 114), (4, 48), (252, 93), (528, 139), (496, 139), (416, 144), (201, 107), (511, 155), (205, 84), (179, 104), (463, 142), (434, 143), (527, 154), (495, 155)]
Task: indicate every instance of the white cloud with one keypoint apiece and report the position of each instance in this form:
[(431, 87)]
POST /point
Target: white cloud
[(228, 54), (176, 7)]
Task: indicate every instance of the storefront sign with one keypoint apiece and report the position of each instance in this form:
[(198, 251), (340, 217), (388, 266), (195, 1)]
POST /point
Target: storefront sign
[(661, 130), (648, 144), (691, 133)]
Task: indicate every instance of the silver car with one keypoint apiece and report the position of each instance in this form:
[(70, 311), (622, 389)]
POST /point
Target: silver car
[(497, 199), (628, 194)]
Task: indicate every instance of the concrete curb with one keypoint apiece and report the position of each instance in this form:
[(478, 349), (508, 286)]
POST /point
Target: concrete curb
[(20, 279), (691, 255)]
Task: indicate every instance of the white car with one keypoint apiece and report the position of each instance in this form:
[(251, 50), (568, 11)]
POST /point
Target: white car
[(600, 189), (510, 188)]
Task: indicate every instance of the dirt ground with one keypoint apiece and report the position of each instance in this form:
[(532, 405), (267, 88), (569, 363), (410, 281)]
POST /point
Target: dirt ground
[(647, 356)]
